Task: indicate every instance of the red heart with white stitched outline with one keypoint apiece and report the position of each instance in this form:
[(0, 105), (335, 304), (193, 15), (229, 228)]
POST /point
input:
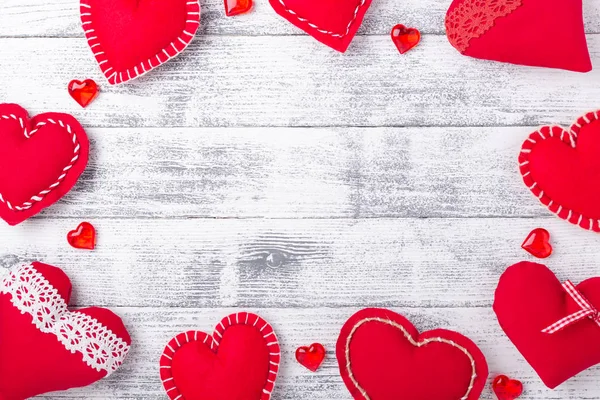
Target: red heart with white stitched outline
[(530, 298), (331, 22), (44, 347), (561, 167), (382, 356), (239, 361), (131, 37), (41, 159)]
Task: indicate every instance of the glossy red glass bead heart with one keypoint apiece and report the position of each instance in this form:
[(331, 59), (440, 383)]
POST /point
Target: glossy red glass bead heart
[(507, 389), (405, 38), (312, 356), (236, 7), (83, 92), (84, 237), (538, 243)]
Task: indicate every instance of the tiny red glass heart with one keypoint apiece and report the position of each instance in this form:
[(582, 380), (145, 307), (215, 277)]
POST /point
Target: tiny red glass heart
[(311, 356), (538, 243), (83, 92), (84, 237), (405, 38), (506, 388), (236, 7)]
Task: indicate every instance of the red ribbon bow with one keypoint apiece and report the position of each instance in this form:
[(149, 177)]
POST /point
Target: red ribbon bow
[(587, 311)]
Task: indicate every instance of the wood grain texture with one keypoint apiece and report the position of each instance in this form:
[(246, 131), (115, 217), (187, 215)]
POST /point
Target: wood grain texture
[(152, 328), (60, 18), (296, 263), (300, 173), (295, 81)]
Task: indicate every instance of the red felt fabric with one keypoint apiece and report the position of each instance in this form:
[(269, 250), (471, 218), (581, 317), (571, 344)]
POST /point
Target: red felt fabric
[(32, 362), (332, 22), (387, 366), (561, 167), (528, 299), (544, 33), (29, 166), (131, 37), (238, 362)]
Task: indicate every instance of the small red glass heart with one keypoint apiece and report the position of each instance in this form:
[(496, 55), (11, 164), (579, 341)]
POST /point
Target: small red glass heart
[(236, 7), (83, 92), (405, 38), (538, 243), (507, 389), (84, 237), (312, 356)]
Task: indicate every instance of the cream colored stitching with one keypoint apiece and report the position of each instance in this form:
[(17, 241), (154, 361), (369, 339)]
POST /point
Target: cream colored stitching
[(408, 337)]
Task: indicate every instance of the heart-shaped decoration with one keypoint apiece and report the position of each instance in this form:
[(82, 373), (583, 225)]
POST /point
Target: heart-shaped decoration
[(41, 159), (529, 299), (544, 33), (561, 167), (132, 37), (405, 38), (84, 237), (83, 92), (538, 243), (382, 356), (311, 356), (239, 361), (506, 388), (237, 7), (44, 347), (332, 22)]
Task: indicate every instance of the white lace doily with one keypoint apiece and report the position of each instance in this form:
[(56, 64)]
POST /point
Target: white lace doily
[(31, 293)]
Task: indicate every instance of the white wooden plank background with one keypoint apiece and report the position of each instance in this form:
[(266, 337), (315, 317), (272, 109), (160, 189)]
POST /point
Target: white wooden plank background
[(263, 171)]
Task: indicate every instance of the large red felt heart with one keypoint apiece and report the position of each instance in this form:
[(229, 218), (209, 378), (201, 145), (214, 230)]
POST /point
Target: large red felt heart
[(545, 33), (382, 356), (44, 347), (239, 361), (561, 167), (530, 298), (331, 22), (40, 160), (131, 37)]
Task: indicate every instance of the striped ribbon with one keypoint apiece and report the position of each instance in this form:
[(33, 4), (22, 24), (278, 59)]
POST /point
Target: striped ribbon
[(587, 311)]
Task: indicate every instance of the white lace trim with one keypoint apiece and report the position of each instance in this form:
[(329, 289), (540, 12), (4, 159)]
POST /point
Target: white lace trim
[(31, 293)]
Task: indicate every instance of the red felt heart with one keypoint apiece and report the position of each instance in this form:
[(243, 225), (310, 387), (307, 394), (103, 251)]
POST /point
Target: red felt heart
[(131, 37), (538, 243), (405, 38), (506, 388), (545, 33), (239, 361), (44, 347), (530, 298), (84, 237), (311, 356), (40, 160), (331, 22), (83, 92), (382, 356), (561, 168)]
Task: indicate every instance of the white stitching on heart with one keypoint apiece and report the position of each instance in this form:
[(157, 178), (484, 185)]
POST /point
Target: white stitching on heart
[(116, 77), (32, 294), (40, 196), (569, 137), (408, 337), (326, 32), (177, 342)]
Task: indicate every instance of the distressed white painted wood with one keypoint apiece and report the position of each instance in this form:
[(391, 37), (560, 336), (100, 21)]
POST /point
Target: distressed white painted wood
[(264, 171), (296, 81)]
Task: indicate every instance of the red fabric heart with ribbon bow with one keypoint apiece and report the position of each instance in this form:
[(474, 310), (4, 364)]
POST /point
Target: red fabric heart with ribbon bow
[(131, 37), (554, 326), (41, 159)]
